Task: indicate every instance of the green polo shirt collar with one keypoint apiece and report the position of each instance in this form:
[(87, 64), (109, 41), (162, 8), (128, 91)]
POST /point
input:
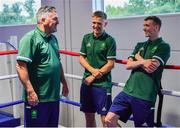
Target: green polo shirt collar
[(158, 40), (43, 34), (101, 36)]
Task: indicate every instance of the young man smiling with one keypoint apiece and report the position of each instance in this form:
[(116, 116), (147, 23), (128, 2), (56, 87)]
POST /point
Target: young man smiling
[(97, 56), (139, 94)]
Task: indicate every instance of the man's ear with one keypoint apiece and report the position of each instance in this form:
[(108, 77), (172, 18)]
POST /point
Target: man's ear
[(157, 27), (105, 24), (42, 20)]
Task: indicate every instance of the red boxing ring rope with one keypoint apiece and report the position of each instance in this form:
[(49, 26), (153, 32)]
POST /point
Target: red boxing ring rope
[(8, 52), (176, 67)]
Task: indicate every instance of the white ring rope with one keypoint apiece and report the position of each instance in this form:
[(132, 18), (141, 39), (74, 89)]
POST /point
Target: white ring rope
[(8, 76), (164, 92)]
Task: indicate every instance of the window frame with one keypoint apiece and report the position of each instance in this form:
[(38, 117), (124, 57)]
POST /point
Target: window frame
[(22, 24), (99, 5)]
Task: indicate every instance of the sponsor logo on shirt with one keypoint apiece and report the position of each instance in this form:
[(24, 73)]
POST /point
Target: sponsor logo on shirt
[(88, 44), (141, 49), (103, 45), (154, 49)]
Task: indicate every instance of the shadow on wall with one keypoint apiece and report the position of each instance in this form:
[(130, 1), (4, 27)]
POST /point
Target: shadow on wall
[(173, 119)]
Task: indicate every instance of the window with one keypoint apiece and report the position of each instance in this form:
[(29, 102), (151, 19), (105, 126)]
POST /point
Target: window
[(124, 8), (18, 11)]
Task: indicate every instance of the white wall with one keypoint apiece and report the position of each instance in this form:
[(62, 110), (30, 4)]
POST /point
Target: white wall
[(75, 21)]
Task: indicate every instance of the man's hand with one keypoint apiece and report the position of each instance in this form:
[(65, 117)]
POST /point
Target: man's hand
[(89, 80), (65, 90), (96, 73), (150, 65), (138, 57), (32, 98)]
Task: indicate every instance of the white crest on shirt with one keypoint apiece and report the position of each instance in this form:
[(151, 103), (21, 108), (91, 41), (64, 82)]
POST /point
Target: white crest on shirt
[(88, 44)]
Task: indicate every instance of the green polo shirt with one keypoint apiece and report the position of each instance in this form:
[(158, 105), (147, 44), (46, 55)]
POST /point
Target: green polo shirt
[(145, 85), (97, 52), (40, 52)]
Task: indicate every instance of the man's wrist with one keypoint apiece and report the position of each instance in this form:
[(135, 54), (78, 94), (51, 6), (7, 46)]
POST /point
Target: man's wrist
[(101, 73), (93, 76), (30, 91), (142, 62)]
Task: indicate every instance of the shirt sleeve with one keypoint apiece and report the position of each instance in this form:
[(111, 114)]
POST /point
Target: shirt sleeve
[(135, 51), (83, 50), (162, 53), (111, 53), (56, 46), (26, 50)]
